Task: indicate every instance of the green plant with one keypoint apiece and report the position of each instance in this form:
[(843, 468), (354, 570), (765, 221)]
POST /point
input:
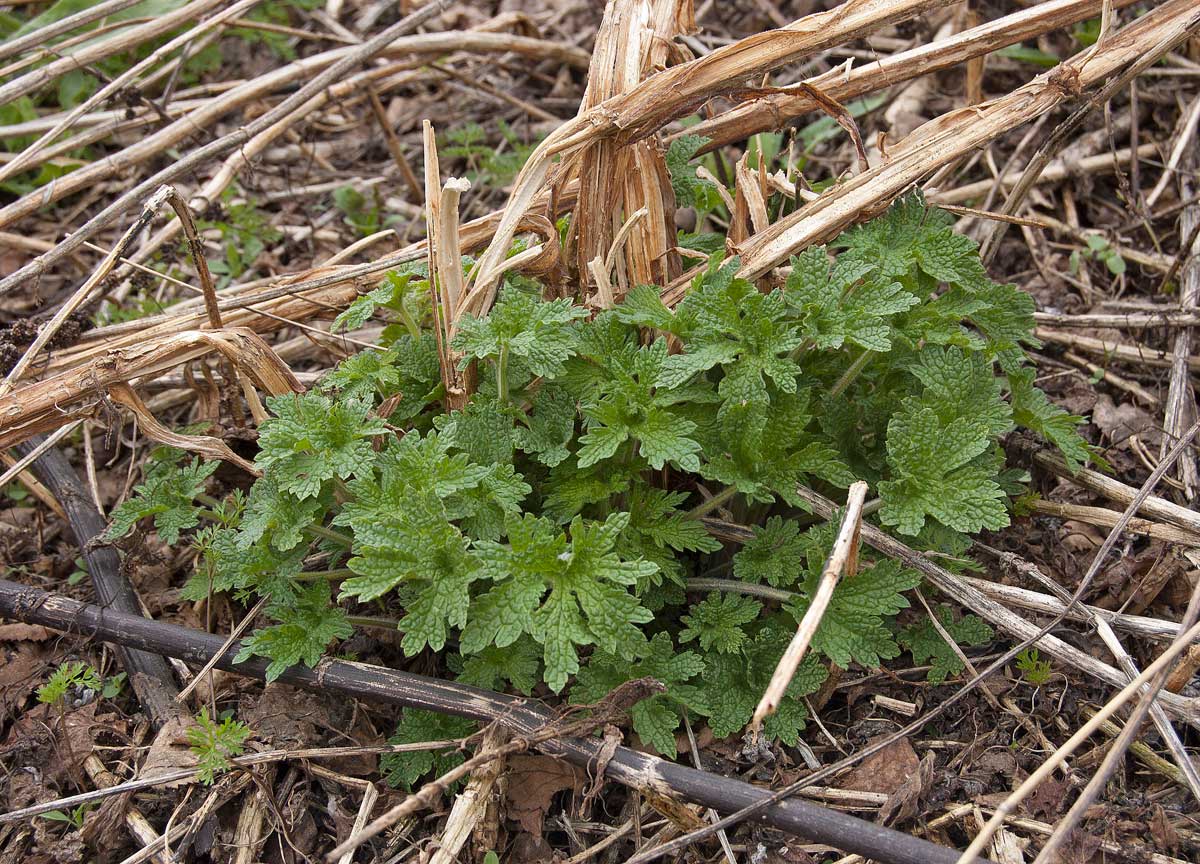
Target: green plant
[(690, 190), (113, 686), (79, 573), (245, 233), (68, 676), (140, 304), (550, 530), (929, 646), (214, 744), (166, 495), (1033, 668), (417, 727), (1030, 54), (74, 818), (1087, 33), (273, 12), (15, 492), (1098, 249), (363, 212), (488, 164)]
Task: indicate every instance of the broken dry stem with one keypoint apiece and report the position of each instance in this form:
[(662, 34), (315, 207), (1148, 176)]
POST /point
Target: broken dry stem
[(843, 558)]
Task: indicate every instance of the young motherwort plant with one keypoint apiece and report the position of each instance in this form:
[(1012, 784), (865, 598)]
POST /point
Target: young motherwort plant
[(557, 531)]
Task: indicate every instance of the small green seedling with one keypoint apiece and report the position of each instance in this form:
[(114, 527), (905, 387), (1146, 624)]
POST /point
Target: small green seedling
[(488, 165), (1098, 249), (15, 492), (215, 744), (363, 211), (74, 818), (1034, 670), (79, 573), (70, 674), (245, 233)]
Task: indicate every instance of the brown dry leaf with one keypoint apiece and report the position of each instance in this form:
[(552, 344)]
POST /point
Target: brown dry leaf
[(202, 445), (23, 632), (884, 771), (66, 850), (287, 717), (533, 781), (37, 738), (789, 855), (529, 848), (81, 727), (1048, 799), (301, 827), (1081, 538), (26, 787), (686, 817), (1165, 836), (903, 803), (104, 828), (1081, 848), (170, 752), (994, 762), (1120, 422), (612, 740), (18, 676)]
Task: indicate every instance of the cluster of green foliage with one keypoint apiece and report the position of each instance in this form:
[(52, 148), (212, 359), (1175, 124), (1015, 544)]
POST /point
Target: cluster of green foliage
[(67, 676), (245, 233), (1033, 668), (363, 211), (487, 164), (215, 744), (545, 534), (1098, 249), (76, 675)]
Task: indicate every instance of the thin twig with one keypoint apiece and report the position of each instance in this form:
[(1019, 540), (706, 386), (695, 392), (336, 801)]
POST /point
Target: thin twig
[(360, 680), (46, 331), (45, 444), (1162, 664), (611, 709), (246, 621), (843, 557), (82, 18), (1116, 752), (187, 774), (196, 248), (352, 58), (1059, 137)]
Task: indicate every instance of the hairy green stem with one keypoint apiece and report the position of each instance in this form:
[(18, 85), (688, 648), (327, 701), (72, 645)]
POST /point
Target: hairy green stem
[(851, 373), (329, 534), (799, 350), (372, 621), (502, 376), (414, 329), (733, 586), (706, 507), (314, 529)]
